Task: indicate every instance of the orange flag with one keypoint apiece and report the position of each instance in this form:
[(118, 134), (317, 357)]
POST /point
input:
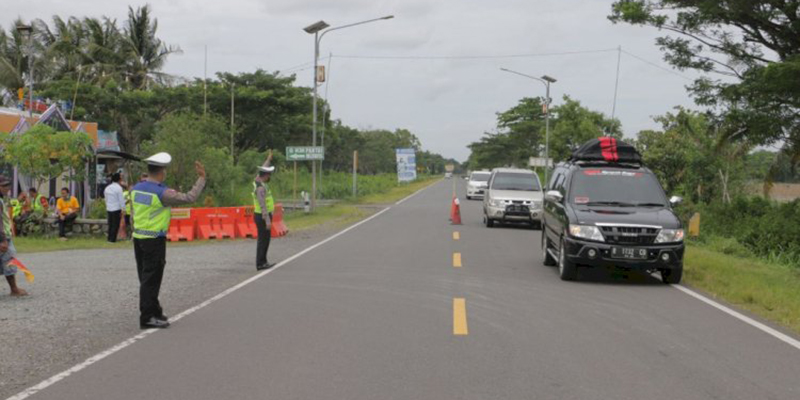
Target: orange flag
[(20, 266)]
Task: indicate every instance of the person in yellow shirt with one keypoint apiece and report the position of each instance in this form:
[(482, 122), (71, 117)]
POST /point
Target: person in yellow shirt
[(68, 208)]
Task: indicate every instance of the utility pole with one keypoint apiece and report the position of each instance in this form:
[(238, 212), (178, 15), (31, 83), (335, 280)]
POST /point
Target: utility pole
[(205, 82), (28, 31), (233, 127), (616, 86)]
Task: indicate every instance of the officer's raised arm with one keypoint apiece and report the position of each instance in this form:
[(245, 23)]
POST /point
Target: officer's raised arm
[(269, 159), (173, 197)]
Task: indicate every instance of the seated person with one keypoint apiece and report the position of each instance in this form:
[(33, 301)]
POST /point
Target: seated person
[(39, 211), (22, 213), (68, 209)]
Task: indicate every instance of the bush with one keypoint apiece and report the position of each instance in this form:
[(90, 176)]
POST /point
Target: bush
[(97, 210), (765, 228)]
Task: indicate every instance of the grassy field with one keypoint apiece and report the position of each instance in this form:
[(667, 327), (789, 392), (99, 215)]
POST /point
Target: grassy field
[(336, 216), (398, 192), (766, 289)]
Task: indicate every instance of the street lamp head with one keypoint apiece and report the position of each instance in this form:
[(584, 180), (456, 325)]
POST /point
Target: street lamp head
[(316, 27), (549, 78), (388, 17)]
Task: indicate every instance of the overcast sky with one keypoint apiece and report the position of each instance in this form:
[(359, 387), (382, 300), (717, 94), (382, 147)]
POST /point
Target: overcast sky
[(448, 103)]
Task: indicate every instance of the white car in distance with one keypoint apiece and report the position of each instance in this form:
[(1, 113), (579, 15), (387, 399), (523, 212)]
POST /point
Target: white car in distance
[(477, 183)]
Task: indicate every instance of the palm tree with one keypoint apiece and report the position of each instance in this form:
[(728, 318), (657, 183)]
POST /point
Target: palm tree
[(13, 58), (104, 50), (146, 54), (63, 46)]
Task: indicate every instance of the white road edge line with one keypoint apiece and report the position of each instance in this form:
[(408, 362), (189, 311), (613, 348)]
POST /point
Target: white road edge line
[(758, 325), (91, 360)]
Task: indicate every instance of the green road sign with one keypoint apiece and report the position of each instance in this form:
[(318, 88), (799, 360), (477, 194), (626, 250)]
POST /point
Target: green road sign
[(305, 153)]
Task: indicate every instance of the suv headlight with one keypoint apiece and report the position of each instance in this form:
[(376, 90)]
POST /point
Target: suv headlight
[(589, 232), (495, 203), (670, 236), (536, 204)]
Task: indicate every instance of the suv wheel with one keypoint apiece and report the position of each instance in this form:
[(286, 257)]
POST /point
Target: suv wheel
[(567, 271), (488, 221), (547, 259), (672, 276)]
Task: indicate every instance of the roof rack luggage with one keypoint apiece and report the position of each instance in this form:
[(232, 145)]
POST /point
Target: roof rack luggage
[(607, 149)]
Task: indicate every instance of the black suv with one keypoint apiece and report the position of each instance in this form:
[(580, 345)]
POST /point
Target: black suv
[(603, 208)]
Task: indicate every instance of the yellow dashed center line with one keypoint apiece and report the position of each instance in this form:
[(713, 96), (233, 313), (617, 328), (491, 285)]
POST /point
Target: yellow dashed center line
[(457, 260), (456, 236), (460, 317)]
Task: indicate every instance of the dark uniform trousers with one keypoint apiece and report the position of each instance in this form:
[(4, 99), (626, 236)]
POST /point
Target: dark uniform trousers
[(151, 257), (114, 218), (264, 236)]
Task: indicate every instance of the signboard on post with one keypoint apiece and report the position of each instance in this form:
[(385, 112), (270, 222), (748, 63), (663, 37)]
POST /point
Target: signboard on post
[(305, 153), (406, 165), (540, 162), (320, 73), (449, 168)]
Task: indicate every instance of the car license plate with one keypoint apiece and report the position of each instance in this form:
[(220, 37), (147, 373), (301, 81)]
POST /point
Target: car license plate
[(630, 253)]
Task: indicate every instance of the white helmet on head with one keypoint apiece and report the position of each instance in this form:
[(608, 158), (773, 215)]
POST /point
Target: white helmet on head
[(159, 159)]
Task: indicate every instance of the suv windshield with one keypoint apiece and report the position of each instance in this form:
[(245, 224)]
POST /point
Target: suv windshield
[(480, 177), (613, 187), (515, 181)]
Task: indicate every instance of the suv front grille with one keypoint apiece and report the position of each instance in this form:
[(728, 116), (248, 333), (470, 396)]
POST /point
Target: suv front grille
[(629, 234)]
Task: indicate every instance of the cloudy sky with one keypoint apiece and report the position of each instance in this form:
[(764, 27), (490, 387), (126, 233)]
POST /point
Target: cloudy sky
[(447, 102)]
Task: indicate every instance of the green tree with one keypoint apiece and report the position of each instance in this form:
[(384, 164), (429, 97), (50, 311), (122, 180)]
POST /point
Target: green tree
[(574, 125), (521, 133), (43, 153), (691, 156)]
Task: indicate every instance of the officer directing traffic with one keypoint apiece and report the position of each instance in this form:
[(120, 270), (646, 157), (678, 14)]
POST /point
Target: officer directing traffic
[(151, 215), (263, 205)]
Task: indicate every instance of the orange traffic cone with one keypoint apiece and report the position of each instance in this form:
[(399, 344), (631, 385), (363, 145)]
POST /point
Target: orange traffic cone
[(455, 211)]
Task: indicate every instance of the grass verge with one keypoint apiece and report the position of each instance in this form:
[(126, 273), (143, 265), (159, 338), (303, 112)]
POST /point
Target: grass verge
[(43, 244), (769, 290)]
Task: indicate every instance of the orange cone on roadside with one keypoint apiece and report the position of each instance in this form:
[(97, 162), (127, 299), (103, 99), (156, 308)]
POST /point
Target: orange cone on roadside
[(455, 211)]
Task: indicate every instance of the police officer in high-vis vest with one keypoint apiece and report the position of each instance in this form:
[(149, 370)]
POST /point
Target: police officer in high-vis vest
[(264, 205), (151, 214)]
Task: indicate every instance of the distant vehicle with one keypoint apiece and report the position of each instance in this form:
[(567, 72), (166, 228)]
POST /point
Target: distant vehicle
[(448, 175), (603, 208), (513, 195), (477, 184)]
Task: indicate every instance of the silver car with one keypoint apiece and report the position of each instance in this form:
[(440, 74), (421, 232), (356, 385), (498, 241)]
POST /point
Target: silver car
[(477, 184), (513, 195)]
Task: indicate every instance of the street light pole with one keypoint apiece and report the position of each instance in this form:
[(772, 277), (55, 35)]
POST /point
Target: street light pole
[(316, 28), (546, 81), (28, 30), (314, 124)]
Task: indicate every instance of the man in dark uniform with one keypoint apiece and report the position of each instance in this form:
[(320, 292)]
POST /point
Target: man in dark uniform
[(263, 205), (151, 215)]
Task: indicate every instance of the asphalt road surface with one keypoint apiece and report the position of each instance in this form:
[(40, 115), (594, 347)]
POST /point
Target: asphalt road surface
[(383, 312)]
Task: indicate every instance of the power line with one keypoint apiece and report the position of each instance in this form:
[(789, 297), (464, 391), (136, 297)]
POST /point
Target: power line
[(656, 65), (300, 67), (475, 57)]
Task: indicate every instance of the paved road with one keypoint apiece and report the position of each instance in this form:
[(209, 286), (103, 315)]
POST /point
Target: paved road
[(370, 315)]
